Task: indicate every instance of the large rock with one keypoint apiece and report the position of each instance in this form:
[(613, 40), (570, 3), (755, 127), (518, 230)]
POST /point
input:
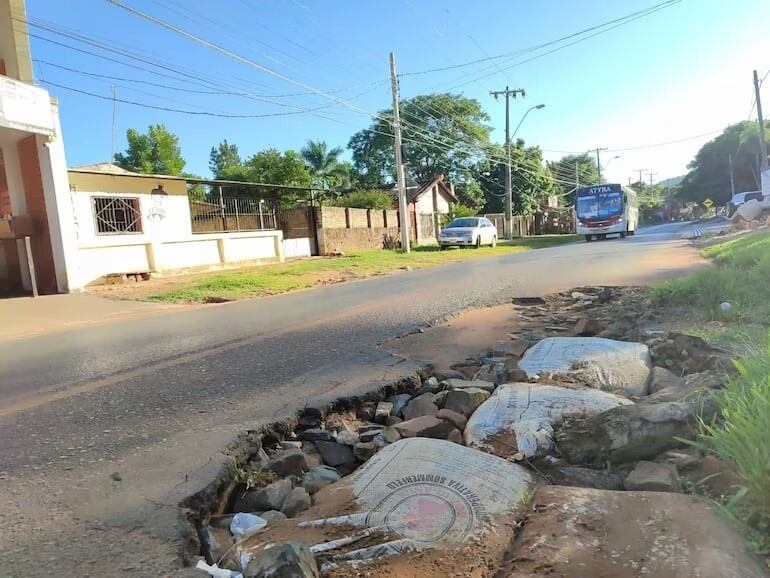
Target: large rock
[(291, 462), (582, 533), (602, 363), (216, 543), (496, 373), (587, 327), (292, 560), (520, 417), (365, 450), (684, 354), (465, 401), (339, 456), (631, 432), (427, 426), (456, 419), (663, 378), (653, 477), (420, 406), (690, 386), (399, 403), (584, 478), (455, 384), (296, 502), (319, 477), (270, 497)]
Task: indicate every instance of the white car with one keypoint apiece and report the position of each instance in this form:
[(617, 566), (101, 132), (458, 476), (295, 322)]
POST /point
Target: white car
[(468, 232)]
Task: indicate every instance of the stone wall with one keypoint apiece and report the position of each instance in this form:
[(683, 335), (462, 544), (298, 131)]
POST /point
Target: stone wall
[(344, 229)]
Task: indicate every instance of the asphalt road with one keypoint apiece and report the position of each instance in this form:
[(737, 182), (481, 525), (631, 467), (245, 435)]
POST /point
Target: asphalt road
[(157, 398)]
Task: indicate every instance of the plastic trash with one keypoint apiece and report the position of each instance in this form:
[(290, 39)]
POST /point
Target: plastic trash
[(520, 417), (244, 525), (216, 571)]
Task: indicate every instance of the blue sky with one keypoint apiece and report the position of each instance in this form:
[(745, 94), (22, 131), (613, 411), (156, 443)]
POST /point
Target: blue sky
[(680, 72)]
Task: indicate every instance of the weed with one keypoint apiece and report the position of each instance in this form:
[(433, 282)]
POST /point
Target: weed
[(253, 476)]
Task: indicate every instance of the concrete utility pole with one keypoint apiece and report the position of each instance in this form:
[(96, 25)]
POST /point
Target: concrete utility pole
[(640, 171), (732, 176), (401, 185), (598, 163), (114, 112), (761, 122), (652, 191), (508, 187)]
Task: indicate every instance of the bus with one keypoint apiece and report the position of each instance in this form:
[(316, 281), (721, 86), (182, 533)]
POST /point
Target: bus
[(606, 209)]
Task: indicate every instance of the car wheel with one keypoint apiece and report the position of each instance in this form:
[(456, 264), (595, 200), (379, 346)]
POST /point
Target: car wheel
[(442, 247), (478, 242), (494, 241)]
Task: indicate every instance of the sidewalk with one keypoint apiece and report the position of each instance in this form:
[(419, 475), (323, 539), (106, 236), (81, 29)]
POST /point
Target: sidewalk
[(22, 317)]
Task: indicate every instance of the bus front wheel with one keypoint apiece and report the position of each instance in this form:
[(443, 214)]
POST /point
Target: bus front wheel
[(589, 238), (622, 234)]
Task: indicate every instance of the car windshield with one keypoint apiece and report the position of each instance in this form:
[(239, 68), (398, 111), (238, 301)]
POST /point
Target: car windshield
[(458, 223), (600, 205)]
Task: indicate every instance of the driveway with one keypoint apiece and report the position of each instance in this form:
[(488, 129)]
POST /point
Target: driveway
[(156, 398)]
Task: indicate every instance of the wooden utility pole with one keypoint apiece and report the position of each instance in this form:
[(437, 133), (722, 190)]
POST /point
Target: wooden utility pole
[(732, 176), (401, 185), (761, 122), (507, 93), (598, 163)]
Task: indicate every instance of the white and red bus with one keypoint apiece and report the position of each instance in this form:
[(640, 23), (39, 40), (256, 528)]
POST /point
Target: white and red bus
[(607, 209)]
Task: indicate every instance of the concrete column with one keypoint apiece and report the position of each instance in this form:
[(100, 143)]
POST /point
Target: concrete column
[(18, 201), (278, 243), (154, 257), (222, 248)]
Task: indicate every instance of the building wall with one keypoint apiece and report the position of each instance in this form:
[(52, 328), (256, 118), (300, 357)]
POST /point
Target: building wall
[(14, 43), (343, 230)]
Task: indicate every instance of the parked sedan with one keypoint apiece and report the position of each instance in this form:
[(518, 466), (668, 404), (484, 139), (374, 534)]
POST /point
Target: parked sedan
[(468, 232)]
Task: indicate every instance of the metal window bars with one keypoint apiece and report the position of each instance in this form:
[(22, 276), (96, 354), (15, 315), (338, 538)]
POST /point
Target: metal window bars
[(117, 215)]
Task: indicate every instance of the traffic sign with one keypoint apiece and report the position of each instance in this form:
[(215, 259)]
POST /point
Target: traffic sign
[(708, 203)]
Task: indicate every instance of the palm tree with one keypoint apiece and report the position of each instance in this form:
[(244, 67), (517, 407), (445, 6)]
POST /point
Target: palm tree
[(324, 163)]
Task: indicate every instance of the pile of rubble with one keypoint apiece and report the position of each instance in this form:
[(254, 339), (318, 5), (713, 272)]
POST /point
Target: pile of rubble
[(446, 467)]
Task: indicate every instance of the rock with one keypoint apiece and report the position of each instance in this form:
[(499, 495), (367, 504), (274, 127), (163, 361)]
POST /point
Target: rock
[(467, 371), (420, 406), (588, 327), (270, 497), (399, 403), (391, 435), (444, 374), (515, 375), (495, 373), (653, 477), (393, 420), (339, 456), (318, 478), (311, 454), (453, 384), (272, 516), (440, 398), (426, 426), (383, 410), (216, 542), (432, 384), (690, 386), (309, 418), (290, 445), (512, 347), (584, 478), (714, 476), (289, 463), (348, 438), (631, 432), (685, 354), (292, 560), (456, 419), (601, 363), (369, 435), (367, 427), (297, 501), (684, 459), (465, 401), (365, 450), (456, 437), (521, 417), (316, 434), (663, 378), (587, 533)]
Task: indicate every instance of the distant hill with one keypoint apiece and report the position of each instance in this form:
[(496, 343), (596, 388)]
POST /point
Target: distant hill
[(672, 182)]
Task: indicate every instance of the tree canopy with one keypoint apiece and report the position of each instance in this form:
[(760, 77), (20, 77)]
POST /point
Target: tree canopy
[(155, 152), (572, 169), (272, 166), (325, 165), (222, 157), (432, 126), (709, 175)]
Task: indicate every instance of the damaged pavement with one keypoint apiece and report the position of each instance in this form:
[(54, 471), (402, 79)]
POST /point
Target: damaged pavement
[(555, 452)]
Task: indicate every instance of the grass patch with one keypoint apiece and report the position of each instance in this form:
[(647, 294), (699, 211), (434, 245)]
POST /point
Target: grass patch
[(291, 276), (742, 439), (741, 277)]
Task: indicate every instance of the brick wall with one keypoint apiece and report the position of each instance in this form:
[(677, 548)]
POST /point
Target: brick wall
[(35, 195), (345, 240)]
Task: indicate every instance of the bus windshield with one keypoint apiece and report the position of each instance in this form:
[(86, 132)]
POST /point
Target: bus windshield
[(600, 205)]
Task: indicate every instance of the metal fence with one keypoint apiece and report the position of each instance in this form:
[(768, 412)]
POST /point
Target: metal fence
[(219, 214)]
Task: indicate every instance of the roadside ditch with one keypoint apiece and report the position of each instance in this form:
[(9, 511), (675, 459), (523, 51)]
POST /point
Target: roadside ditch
[(538, 455)]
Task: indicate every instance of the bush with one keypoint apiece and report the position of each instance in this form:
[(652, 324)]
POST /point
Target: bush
[(367, 199), (457, 211)]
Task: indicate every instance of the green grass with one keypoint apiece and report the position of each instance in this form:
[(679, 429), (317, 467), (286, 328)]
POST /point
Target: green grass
[(741, 277), (291, 276), (741, 438)]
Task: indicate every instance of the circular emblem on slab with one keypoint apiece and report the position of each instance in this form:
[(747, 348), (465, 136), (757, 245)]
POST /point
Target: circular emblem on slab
[(424, 512)]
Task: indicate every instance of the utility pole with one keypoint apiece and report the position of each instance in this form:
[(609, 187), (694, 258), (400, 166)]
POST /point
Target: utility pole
[(508, 185), (577, 175), (114, 112), (598, 163), (732, 176), (641, 180), (652, 191), (401, 185), (761, 122)]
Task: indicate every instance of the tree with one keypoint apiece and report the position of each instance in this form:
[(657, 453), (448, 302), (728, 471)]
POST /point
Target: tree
[(156, 152), (531, 181), (223, 157), (324, 164), (367, 199), (709, 171), (273, 167), (571, 170), (443, 134)]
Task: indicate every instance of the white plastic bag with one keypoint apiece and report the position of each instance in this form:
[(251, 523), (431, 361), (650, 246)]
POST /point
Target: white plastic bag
[(244, 525)]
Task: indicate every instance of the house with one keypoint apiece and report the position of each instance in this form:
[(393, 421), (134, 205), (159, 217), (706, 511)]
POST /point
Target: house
[(426, 201)]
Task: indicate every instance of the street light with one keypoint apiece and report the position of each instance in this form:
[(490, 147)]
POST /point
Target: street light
[(536, 107), (604, 168), (509, 198)]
